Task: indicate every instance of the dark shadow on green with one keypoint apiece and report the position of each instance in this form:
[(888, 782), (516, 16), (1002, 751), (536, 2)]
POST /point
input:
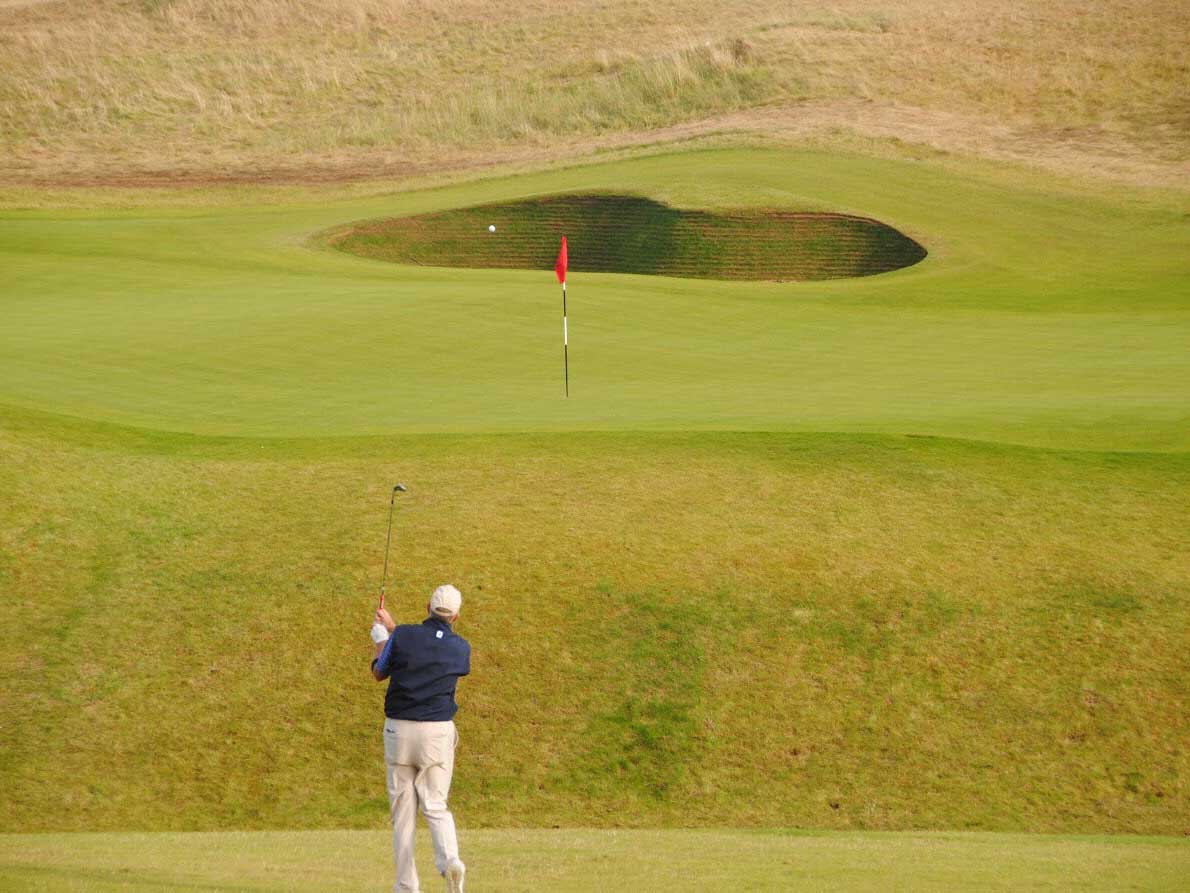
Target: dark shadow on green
[(630, 234)]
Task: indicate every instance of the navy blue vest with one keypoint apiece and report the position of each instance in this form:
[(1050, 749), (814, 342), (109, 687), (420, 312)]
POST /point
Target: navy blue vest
[(423, 662)]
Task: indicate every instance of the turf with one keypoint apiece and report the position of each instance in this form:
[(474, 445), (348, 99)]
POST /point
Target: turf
[(1041, 316), (753, 544), (892, 632), (627, 234), (579, 860)]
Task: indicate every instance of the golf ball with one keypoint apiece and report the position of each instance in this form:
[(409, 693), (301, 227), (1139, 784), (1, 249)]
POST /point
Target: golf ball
[(492, 228)]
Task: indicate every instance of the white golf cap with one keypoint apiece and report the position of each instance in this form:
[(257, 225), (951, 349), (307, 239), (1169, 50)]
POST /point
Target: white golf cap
[(446, 601)]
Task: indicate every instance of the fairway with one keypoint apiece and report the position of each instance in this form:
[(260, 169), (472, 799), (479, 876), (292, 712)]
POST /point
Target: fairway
[(582, 861), (1041, 316)]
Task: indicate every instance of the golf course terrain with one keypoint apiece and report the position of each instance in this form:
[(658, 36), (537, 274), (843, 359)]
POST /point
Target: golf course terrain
[(625, 234), (857, 558), (910, 548)]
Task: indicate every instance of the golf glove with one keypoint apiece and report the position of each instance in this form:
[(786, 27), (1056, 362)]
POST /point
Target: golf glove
[(379, 633)]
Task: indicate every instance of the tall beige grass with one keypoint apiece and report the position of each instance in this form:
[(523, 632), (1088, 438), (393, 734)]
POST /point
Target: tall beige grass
[(219, 85)]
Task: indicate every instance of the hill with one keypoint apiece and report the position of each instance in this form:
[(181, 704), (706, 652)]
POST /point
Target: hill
[(894, 633), (159, 91)]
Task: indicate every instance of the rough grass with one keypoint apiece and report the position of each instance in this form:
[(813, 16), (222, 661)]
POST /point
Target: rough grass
[(110, 88), (627, 234), (594, 861), (892, 633)]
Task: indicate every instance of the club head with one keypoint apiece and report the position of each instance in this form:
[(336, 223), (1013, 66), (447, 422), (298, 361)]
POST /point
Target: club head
[(399, 488)]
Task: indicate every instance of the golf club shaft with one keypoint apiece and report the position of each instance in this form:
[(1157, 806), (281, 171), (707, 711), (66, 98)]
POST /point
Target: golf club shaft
[(388, 538)]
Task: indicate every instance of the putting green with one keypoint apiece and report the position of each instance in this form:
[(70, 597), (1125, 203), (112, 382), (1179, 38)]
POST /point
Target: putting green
[(1041, 316)]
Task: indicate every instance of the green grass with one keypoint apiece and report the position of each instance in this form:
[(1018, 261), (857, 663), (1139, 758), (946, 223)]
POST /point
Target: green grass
[(1041, 316), (909, 548), (627, 234), (892, 632), (579, 860)]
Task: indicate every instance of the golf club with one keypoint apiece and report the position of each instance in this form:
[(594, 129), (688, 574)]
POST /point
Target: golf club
[(399, 488)]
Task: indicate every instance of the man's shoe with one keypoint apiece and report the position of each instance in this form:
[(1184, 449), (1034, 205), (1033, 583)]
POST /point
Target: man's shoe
[(455, 870)]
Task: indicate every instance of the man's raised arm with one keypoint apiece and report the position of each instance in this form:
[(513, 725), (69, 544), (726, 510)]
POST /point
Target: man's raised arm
[(382, 626)]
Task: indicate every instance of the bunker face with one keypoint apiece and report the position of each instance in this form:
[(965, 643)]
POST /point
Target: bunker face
[(626, 234)]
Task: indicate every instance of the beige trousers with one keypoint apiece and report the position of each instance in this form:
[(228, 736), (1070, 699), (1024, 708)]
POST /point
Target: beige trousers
[(419, 759)]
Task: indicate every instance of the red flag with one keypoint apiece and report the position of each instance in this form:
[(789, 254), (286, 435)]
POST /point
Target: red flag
[(560, 266)]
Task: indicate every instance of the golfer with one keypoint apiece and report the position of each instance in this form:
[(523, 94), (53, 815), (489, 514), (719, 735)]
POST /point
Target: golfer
[(423, 663)]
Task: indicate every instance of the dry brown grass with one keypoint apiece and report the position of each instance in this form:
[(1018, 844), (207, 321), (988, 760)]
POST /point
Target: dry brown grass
[(355, 87)]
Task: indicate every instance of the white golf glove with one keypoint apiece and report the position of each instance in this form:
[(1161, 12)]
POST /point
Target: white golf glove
[(379, 633)]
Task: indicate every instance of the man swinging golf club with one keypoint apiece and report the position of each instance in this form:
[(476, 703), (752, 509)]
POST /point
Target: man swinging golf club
[(423, 663)]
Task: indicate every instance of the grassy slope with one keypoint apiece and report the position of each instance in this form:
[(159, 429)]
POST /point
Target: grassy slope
[(1041, 316), (892, 632), (588, 861)]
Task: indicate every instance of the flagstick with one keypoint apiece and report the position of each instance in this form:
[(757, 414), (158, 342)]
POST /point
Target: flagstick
[(560, 272), (565, 342)]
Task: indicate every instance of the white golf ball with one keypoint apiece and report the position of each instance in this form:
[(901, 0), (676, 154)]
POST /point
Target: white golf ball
[(492, 228)]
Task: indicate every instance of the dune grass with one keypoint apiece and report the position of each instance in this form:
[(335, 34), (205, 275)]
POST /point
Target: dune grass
[(189, 88), (588, 861)]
